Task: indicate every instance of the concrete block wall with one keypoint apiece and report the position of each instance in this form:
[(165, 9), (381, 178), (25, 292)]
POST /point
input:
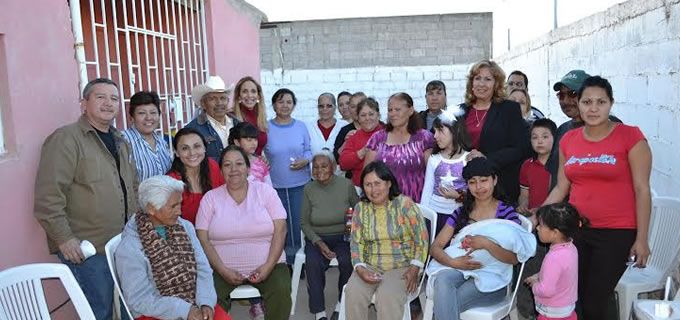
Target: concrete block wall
[(636, 45), (386, 41), (378, 82)]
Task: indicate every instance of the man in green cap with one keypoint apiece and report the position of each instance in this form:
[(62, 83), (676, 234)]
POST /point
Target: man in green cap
[(567, 94)]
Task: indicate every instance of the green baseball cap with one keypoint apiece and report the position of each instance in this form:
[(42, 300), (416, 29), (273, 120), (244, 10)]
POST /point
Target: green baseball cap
[(573, 80)]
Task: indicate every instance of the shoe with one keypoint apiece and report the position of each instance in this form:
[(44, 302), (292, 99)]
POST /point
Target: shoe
[(256, 311), (323, 318), (335, 315)]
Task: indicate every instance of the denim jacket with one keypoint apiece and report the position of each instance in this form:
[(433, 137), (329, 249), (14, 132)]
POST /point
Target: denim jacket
[(214, 143)]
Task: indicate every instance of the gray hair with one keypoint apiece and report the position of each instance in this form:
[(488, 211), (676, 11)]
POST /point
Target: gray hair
[(326, 154), (156, 191), (330, 96), (88, 87)]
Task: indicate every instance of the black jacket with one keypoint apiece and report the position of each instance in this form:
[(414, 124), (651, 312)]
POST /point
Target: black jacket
[(505, 141)]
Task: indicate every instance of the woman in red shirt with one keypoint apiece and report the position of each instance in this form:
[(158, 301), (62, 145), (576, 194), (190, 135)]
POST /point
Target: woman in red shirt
[(605, 169), (199, 173), (249, 107), (354, 150)]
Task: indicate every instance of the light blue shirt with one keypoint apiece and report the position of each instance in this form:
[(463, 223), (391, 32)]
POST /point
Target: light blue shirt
[(149, 162), (286, 142)]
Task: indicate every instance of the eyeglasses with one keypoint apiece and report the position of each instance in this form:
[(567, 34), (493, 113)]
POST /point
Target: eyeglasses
[(570, 94)]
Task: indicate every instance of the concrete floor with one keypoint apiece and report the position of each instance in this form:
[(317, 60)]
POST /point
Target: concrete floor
[(240, 312)]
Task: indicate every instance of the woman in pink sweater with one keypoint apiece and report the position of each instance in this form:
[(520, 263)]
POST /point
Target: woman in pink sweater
[(555, 287)]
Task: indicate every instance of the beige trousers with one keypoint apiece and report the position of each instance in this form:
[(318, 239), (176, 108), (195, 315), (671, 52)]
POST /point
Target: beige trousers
[(390, 296)]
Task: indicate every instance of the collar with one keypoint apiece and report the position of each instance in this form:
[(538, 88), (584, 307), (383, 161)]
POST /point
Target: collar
[(85, 126)]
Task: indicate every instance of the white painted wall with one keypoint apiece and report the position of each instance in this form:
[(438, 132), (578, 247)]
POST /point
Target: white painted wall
[(636, 45), (378, 82)]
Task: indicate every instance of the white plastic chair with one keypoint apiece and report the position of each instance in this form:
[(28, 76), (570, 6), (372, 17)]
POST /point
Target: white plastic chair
[(22, 296), (110, 250), (644, 309), (663, 243), (492, 312), (431, 216), (297, 271)]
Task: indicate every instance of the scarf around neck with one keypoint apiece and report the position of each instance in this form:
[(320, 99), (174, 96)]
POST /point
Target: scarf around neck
[(173, 263)]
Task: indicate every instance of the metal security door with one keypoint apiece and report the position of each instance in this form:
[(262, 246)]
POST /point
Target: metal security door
[(154, 45)]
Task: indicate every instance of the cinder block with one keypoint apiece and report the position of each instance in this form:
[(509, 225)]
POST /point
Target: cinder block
[(414, 76), (381, 76), (397, 75)]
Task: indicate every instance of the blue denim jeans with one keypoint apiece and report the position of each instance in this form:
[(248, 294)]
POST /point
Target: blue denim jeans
[(95, 280), (454, 294), (291, 198)]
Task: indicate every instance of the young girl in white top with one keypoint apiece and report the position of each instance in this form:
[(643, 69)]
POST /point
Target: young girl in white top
[(444, 183)]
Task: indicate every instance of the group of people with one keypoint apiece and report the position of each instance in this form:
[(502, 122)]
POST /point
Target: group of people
[(241, 194)]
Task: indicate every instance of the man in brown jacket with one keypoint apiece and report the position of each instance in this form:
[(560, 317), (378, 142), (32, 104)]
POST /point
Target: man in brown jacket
[(85, 189)]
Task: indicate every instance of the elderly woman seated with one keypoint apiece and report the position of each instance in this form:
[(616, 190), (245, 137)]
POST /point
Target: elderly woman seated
[(388, 245), (324, 203), (163, 271), (242, 228)]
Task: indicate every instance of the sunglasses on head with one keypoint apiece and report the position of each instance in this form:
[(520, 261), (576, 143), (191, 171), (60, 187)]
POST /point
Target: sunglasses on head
[(570, 94)]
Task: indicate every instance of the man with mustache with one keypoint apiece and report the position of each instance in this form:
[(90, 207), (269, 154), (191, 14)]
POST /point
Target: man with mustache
[(85, 191), (214, 120)]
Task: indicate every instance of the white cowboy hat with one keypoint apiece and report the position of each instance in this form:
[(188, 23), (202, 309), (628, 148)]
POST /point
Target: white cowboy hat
[(213, 84)]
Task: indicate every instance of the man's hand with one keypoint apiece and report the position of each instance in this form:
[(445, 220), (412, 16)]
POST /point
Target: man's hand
[(411, 278), (71, 251)]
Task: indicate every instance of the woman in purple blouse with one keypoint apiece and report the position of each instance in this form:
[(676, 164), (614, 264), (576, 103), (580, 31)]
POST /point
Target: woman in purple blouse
[(403, 145)]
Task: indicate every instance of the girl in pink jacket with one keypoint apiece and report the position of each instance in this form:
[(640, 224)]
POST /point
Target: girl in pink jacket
[(555, 287)]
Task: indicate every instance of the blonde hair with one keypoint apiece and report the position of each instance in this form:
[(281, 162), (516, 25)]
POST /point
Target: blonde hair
[(260, 107), (499, 93)]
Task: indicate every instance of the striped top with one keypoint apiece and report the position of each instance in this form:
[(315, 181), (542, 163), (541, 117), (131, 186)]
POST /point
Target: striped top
[(389, 237), (504, 211), (149, 162)]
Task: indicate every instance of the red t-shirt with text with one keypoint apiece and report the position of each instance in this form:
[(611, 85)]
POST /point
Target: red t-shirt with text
[(601, 180)]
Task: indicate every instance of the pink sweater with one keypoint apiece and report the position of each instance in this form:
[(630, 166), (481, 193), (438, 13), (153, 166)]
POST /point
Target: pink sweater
[(558, 278)]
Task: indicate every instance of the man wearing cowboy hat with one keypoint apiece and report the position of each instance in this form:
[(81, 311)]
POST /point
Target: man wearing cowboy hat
[(214, 121)]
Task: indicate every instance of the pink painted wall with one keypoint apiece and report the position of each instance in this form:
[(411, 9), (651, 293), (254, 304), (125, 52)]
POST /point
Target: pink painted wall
[(42, 79), (234, 41), (39, 93)]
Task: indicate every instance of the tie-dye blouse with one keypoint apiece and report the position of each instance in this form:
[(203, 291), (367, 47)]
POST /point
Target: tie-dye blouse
[(404, 160), (389, 237)]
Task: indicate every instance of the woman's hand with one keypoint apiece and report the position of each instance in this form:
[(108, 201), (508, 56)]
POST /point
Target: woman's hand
[(640, 250), (465, 263), (350, 133), (207, 312), (299, 164), (232, 277), (261, 273), (472, 243), (368, 276), (325, 251), (411, 278), (474, 153), (531, 280)]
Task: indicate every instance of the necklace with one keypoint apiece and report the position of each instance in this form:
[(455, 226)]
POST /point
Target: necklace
[(479, 121)]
